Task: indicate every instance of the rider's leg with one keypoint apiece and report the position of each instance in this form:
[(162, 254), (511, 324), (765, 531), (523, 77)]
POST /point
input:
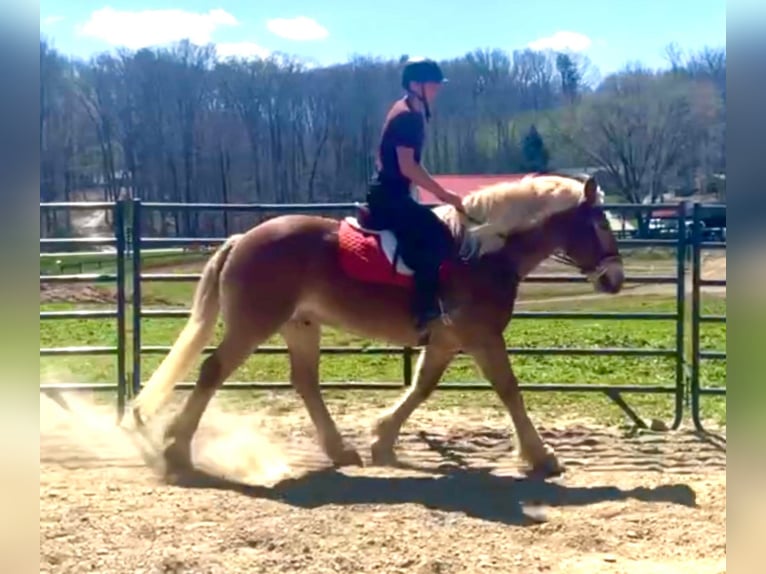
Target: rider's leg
[(425, 296), (422, 249)]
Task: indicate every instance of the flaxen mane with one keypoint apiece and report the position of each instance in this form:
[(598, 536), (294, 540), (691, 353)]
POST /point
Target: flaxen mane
[(509, 207)]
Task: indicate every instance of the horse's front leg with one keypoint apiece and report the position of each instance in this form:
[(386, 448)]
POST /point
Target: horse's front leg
[(430, 367), (492, 359)]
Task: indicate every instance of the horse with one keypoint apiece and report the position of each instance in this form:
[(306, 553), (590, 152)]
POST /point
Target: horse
[(294, 274)]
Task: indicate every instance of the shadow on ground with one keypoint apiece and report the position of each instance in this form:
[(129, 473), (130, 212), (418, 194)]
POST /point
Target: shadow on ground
[(476, 493)]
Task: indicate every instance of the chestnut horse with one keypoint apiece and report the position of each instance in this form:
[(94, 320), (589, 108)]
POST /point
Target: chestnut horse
[(293, 274)]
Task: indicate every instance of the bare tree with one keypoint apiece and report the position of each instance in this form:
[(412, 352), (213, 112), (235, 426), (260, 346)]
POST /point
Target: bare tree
[(640, 128), (180, 124)]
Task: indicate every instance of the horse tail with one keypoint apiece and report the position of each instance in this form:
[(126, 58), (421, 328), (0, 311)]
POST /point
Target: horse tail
[(197, 332)]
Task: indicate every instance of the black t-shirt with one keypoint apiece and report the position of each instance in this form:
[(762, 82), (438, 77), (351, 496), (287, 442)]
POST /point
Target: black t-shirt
[(403, 127)]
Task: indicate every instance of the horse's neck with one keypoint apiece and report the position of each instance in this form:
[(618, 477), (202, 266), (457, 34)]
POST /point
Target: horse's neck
[(528, 250), (525, 249)]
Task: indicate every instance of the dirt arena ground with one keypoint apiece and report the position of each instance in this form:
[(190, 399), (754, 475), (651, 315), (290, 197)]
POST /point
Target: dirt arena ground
[(266, 500)]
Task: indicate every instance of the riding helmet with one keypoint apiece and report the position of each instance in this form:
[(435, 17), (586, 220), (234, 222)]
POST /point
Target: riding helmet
[(421, 70)]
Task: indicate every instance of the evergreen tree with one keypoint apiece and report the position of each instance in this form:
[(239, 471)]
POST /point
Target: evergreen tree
[(569, 76), (535, 156)]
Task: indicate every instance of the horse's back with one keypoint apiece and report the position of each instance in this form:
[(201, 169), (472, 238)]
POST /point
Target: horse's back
[(290, 230), (284, 243)]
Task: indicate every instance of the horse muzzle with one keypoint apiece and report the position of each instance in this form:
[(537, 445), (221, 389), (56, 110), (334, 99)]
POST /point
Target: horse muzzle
[(609, 276)]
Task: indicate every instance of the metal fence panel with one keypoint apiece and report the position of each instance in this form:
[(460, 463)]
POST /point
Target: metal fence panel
[(118, 241), (130, 243), (697, 390)]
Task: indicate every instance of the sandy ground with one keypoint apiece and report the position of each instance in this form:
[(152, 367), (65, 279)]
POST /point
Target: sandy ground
[(265, 499)]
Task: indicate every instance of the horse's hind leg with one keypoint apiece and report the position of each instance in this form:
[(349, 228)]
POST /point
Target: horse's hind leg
[(432, 363), (303, 344), (237, 345)]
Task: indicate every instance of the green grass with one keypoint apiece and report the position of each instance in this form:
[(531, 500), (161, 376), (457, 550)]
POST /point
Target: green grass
[(593, 334)]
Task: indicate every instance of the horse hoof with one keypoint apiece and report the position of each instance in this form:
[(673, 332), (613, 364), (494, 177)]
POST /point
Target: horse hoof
[(548, 467), (177, 459), (383, 456), (348, 457), (545, 466)]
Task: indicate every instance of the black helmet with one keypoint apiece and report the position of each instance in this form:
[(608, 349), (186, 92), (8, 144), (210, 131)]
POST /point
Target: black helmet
[(421, 70)]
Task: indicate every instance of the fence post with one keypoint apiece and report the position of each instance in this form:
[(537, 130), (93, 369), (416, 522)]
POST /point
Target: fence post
[(696, 312), (681, 247), (136, 303), (122, 383), (407, 366)]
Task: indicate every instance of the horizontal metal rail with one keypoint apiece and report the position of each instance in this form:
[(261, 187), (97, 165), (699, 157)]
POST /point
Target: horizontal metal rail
[(712, 318), (79, 205), (451, 386), (109, 241), (80, 314), (386, 386), (561, 315), (215, 241), (77, 351), (552, 279), (362, 351), (48, 387), (713, 391), (77, 254), (338, 206), (80, 278)]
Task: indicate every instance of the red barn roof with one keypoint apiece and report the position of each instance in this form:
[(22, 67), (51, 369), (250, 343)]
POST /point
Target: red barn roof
[(464, 184)]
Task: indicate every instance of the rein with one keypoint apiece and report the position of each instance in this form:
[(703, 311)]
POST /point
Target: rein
[(479, 225)]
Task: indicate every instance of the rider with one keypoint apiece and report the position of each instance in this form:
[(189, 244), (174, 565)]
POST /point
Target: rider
[(423, 239)]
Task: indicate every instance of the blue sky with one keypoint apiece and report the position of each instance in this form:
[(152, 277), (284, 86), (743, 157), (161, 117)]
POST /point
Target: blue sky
[(610, 32)]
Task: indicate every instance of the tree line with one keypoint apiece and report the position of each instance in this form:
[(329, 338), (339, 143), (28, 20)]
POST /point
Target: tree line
[(180, 124)]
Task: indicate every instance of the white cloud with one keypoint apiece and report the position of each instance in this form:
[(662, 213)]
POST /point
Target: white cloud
[(50, 20), (562, 41), (143, 28), (247, 50), (300, 28)]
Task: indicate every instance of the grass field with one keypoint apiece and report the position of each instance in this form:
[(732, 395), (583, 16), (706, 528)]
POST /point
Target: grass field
[(522, 333)]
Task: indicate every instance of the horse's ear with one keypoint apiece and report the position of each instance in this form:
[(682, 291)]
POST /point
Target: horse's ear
[(591, 191)]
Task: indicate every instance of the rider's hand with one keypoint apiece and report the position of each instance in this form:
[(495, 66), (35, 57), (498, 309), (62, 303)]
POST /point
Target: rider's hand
[(455, 201)]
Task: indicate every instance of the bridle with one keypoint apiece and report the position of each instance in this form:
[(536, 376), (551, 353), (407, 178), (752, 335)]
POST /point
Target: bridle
[(592, 275)]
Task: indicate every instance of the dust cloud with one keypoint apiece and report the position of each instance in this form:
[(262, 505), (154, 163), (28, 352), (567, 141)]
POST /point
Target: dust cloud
[(76, 432)]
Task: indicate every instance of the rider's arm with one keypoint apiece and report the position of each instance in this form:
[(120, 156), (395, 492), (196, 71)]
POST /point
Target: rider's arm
[(413, 171)]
